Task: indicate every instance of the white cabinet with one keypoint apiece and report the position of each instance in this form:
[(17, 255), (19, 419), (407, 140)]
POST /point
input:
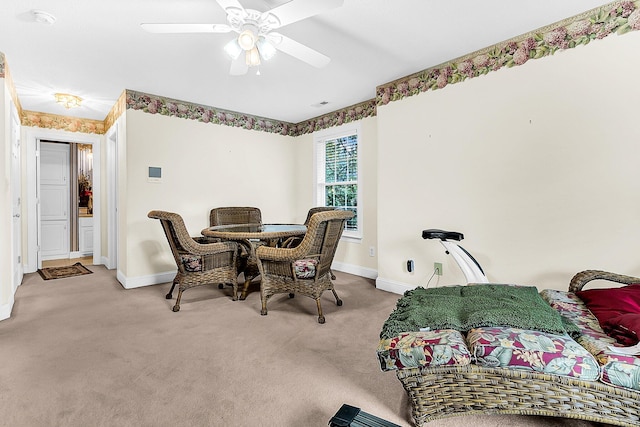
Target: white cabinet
[(85, 235)]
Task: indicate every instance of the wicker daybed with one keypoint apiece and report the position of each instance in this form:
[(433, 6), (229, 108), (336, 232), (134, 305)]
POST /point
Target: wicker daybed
[(440, 391)]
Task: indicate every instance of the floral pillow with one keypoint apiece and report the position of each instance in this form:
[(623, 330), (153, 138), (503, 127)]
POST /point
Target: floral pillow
[(192, 263), (305, 268), (531, 350), (425, 348)]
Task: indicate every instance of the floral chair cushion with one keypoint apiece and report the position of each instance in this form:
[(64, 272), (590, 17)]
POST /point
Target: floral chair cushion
[(616, 369), (305, 268), (418, 349), (531, 350), (192, 263)]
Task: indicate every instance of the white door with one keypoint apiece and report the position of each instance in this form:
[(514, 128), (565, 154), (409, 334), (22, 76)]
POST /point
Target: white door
[(54, 201), (16, 190)]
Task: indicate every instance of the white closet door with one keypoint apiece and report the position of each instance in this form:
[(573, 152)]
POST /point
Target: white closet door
[(54, 200)]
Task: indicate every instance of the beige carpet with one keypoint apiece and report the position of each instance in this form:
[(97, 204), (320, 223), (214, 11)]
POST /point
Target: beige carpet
[(83, 351)]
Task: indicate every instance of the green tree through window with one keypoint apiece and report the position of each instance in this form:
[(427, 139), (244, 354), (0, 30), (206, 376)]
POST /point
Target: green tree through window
[(337, 175)]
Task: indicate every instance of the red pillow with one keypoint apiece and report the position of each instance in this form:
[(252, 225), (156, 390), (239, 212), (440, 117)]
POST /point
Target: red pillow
[(624, 328), (609, 306)]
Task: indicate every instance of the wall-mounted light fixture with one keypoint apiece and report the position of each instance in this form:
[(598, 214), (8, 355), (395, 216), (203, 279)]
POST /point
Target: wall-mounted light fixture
[(68, 101)]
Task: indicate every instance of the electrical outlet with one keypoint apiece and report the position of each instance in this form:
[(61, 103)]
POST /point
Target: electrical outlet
[(437, 266)]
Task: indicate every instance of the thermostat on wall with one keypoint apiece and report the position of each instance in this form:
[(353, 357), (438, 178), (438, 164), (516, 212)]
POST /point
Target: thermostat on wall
[(155, 174)]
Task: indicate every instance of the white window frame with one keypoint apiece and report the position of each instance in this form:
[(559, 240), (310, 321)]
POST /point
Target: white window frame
[(319, 140)]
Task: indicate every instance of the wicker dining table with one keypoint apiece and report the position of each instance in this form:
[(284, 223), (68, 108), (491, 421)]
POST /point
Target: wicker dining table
[(252, 235)]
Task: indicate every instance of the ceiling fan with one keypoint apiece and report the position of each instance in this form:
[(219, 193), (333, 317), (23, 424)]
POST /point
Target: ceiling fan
[(256, 39)]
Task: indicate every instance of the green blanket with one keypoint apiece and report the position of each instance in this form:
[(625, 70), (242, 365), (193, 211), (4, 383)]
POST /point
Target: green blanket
[(467, 307)]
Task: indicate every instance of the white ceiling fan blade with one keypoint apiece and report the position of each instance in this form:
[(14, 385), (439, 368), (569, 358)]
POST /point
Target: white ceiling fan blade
[(297, 10), (230, 4), (186, 28), (298, 50), (239, 66)]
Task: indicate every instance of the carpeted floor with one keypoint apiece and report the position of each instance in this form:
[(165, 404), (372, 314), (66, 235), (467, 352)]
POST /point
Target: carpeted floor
[(83, 351)]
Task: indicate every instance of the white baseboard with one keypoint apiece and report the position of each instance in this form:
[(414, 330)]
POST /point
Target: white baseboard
[(355, 269), (167, 277), (28, 268), (105, 261), (5, 309), (140, 281), (392, 286)]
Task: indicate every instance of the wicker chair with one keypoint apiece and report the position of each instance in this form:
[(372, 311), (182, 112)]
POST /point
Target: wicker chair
[(247, 263), (198, 263), (235, 215), (304, 269), (292, 242)]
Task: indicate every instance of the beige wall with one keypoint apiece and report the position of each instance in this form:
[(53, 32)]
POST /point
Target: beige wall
[(536, 165), (203, 166), (531, 163)]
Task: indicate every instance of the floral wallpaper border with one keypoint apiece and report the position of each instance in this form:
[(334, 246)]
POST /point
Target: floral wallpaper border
[(618, 17), (155, 104), (614, 18), (116, 111), (336, 118), (54, 121)]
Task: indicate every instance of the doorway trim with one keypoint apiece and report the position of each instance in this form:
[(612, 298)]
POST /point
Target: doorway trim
[(33, 136), (16, 190), (111, 149)]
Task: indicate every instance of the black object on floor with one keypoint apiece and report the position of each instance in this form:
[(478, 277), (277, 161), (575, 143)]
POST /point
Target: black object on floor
[(350, 416)]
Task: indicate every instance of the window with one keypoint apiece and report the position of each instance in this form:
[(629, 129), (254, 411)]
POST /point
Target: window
[(337, 174)]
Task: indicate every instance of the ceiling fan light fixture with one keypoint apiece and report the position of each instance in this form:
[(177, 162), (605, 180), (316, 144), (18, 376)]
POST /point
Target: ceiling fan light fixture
[(253, 57), (247, 39), (42, 17), (233, 49), (67, 100), (266, 49)]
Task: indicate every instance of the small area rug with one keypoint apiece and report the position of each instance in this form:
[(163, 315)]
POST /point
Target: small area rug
[(76, 269)]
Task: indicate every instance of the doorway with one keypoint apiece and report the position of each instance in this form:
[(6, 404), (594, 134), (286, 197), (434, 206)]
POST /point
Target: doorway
[(33, 139), (66, 200)]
